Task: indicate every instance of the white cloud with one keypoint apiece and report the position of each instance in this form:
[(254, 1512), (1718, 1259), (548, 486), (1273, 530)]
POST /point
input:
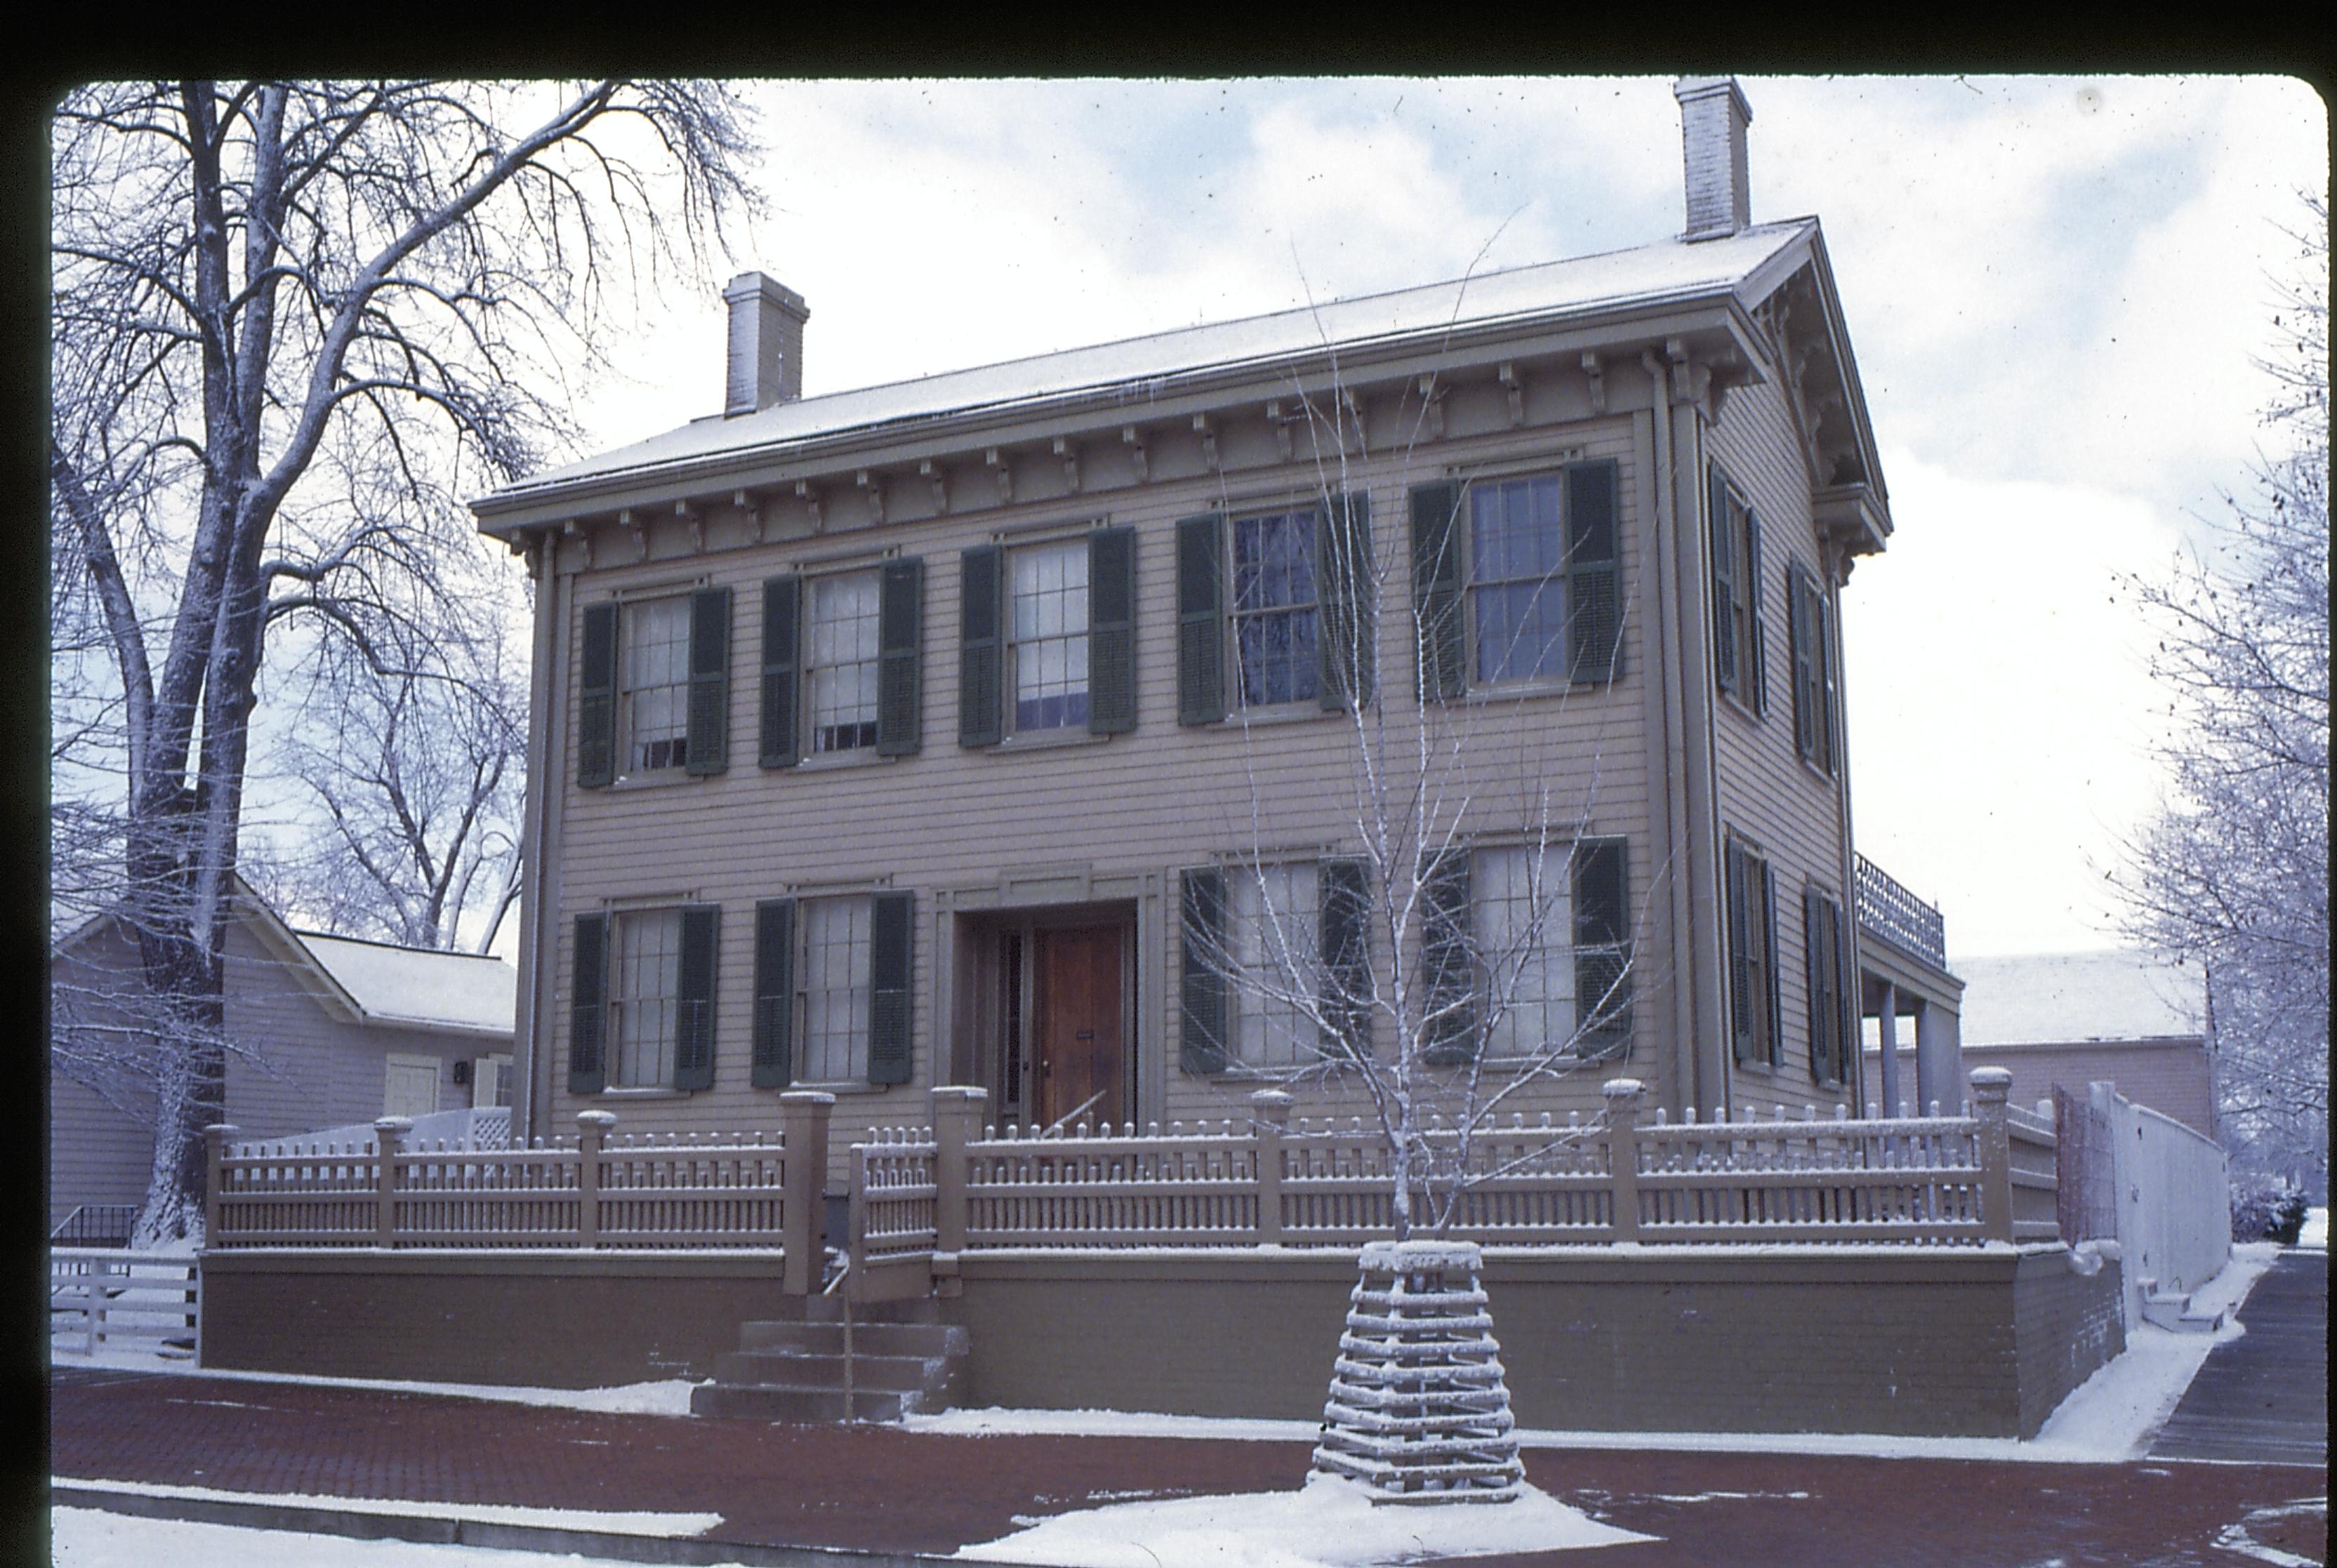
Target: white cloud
[(1997, 704)]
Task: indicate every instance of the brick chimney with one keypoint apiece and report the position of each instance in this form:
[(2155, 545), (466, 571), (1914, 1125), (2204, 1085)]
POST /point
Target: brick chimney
[(1712, 118), (765, 359)]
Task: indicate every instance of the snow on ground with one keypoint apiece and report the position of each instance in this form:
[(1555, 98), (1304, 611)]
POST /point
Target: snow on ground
[(1329, 1523), (93, 1538), (670, 1397), (612, 1524), (2315, 1233)]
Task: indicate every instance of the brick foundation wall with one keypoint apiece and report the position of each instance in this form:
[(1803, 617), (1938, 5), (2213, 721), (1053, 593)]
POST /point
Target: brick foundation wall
[(2069, 1327), (568, 1320)]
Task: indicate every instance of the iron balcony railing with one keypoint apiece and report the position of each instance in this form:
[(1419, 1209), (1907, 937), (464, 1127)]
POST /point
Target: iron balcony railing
[(1888, 911)]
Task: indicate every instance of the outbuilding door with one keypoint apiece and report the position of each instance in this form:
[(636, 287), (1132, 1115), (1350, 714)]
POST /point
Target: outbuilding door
[(1080, 1055)]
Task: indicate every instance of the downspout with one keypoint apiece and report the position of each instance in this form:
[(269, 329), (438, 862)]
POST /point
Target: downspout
[(1688, 743), (1689, 1087)]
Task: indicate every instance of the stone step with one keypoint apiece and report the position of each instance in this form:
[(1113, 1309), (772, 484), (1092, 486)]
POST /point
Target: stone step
[(881, 1339), (781, 1369), (763, 1402)]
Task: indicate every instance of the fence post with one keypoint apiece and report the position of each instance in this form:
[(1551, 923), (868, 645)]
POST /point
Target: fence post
[(1623, 1154), (1268, 1122), (1992, 1090), (803, 1196), (389, 1136), (591, 1128), (957, 1117), (215, 1137)]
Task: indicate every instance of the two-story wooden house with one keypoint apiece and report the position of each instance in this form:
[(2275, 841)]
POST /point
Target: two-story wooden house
[(907, 736)]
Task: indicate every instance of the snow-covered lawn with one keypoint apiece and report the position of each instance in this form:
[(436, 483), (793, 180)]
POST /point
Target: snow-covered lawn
[(93, 1538), (2315, 1233)]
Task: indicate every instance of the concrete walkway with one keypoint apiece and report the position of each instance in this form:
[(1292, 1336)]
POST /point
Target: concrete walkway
[(2264, 1398)]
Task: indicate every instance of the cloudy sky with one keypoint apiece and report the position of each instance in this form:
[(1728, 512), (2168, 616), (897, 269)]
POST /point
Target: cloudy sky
[(2054, 287)]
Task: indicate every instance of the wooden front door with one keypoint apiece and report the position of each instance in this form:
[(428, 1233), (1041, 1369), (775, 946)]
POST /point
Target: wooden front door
[(1081, 1034)]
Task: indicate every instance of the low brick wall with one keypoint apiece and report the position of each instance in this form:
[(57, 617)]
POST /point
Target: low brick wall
[(556, 1319), (1979, 1342)]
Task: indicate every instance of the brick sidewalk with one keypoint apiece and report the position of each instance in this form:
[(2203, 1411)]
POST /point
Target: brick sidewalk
[(881, 1488)]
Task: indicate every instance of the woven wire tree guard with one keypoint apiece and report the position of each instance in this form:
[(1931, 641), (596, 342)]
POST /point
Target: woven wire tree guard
[(1419, 1411)]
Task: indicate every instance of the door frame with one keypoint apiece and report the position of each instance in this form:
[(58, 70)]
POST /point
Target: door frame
[(986, 937)]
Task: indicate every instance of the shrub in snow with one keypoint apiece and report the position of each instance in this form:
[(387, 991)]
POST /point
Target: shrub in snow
[(2263, 1211), (1419, 1411)]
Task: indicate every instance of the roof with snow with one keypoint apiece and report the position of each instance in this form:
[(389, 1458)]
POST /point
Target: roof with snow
[(2057, 999), (1748, 265), (419, 986)]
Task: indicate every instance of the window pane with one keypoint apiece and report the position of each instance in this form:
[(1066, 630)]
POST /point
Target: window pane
[(1522, 911), (655, 683), (645, 989), (1275, 935), (1517, 586), (841, 662), (1274, 626), (1049, 621), (835, 989)]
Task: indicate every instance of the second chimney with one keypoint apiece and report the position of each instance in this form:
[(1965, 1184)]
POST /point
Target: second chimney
[(765, 359), (1712, 118)]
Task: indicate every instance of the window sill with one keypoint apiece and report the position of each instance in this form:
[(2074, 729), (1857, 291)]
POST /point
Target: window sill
[(661, 779), (1522, 690), (1048, 739), (859, 757), (645, 1092), (1281, 713), (1729, 699), (844, 1087)]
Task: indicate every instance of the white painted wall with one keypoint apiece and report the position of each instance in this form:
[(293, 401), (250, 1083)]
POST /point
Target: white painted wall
[(2174, 1198)]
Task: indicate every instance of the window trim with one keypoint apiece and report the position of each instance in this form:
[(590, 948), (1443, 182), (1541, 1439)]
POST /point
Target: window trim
[(808, 724), (1229, 617), (1561, 581), (1816, 677), (1010, 646), (1729, 508), (1816, 900)]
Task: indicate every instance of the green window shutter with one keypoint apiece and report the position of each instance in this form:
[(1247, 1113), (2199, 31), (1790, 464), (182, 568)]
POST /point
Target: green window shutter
[(890, 939), (1202, 985), (1112, 630), (705, 745), (774, 994), (1817, 945), (1768, 915), (1829, 723), (1797, 628), (982, 645), (1740, 957), (693, 1032), (1724, 580), (588, 1015), (1448, 977), (1342, 905), (1436, 599), (1343, 587), (900, 619), (1756, 677), (596, 698), (1602, 937), (1846, 1000), (781, 741), (1201, 620), (1594, 590)]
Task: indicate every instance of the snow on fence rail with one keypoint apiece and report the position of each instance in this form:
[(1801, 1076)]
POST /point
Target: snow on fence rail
[(596, 1190), (1930, 1181)]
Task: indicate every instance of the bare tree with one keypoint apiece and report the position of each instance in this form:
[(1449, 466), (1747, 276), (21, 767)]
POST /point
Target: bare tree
[(1444, 1009), (2233, 870), (291, 319)]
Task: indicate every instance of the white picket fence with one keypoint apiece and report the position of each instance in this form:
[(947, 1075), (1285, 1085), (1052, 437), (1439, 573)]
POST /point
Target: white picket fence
[(106, 1296)]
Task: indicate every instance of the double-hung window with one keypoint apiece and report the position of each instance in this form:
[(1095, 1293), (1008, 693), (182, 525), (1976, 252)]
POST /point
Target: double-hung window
[(1525, 951), (642, 989), (1752, 957), (832, 989), (654, 689), (1278, 972), (1740, 662), (1518, 580), (840, 662), (1273, 609), (840, 656), (1047, 638)]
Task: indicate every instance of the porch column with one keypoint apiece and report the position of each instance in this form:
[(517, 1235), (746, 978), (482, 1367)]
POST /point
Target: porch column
[(1889, 1052), (1939, 1055)]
